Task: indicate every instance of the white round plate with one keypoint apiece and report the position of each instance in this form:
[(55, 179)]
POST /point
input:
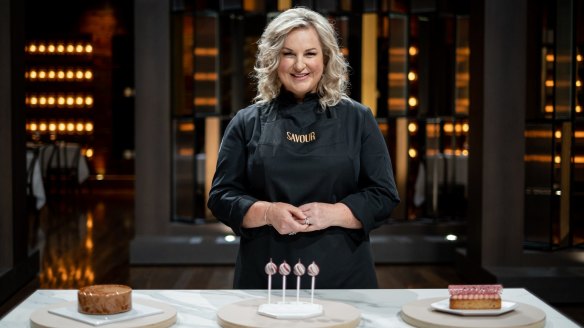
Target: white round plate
[(444, 306)]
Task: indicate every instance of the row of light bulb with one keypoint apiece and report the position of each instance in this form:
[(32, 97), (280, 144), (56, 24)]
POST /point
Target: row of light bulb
[(59, 74), (59, 101), (448, 127), (551, 58), (60, 127), (413, 153), (58, 48)]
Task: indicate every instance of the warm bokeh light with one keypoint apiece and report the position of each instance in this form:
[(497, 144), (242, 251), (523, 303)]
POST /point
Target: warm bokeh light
[(88, 49), (70, 127), (79, 127), (413, 51), (549, 57), (412, 127), (89, 153), (465, 127), (549, 83), (413, 101), (88, 75), (88, 101), (412, 153), (89, 127), (412, 76), (558, 134), (557, 159), (448, 127)]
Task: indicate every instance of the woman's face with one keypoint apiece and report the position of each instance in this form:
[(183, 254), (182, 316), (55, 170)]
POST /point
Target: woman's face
[(301, 62)]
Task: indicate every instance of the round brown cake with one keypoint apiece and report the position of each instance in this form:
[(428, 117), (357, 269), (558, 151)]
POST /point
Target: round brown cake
[(104, 299)]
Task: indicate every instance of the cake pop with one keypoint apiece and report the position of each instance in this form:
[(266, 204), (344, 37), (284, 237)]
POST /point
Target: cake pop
[(313, 271), (270, 269), (299, 270), (284, 271)]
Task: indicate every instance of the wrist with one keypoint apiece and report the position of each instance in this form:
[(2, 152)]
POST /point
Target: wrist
[(266, 222)]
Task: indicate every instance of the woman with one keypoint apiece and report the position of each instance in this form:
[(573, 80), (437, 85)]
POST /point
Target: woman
[(303, 173)]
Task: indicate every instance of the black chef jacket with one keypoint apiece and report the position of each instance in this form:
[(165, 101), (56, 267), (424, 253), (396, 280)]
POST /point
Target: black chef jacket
[(297, 153)]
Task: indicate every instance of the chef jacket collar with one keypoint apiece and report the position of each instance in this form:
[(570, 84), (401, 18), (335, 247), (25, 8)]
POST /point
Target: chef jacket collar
[(287, 98)]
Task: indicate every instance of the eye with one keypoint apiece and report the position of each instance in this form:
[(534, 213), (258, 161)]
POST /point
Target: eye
[(287, 54), (311, 54)]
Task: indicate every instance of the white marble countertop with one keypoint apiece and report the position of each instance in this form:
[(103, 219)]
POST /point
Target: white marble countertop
[(379, 307)]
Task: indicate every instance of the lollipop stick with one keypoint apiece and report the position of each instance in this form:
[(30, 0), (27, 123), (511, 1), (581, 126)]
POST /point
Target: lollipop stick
[(270, 289), (312, 291), (283, 289), (298, 289)]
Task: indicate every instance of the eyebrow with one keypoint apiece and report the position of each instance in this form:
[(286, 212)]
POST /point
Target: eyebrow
[(311, 49)]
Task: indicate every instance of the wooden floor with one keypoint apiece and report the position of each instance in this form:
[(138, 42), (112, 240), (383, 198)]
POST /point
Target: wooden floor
[(84, 239)]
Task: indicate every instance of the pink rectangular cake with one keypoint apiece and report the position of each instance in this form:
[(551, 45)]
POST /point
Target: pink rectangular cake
[(475, 297)]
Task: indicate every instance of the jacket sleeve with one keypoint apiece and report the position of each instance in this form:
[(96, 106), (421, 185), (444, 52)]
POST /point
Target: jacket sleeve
[(377, 195), (229, 199)]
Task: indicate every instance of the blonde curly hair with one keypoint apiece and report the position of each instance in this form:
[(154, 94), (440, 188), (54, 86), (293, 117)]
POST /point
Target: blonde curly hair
[(333, 85)]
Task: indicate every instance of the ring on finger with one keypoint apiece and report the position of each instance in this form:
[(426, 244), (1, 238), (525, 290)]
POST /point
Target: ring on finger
[(307, 220), (292, 233)]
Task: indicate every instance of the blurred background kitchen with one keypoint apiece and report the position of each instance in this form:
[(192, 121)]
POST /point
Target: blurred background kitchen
[(112, 112)]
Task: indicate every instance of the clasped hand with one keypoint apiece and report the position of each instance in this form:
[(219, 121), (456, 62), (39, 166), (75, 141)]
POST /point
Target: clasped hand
[(289, 219)]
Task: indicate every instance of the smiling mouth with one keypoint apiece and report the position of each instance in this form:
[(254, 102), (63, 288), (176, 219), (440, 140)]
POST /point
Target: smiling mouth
[(299, 76)]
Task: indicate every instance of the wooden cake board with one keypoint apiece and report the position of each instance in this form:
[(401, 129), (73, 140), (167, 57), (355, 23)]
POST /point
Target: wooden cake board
[(41, 318), (244, 314), (420, 314)]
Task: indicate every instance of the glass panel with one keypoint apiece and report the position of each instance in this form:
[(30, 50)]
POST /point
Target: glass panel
[(398, 66), (182, 83), (206, 54), (446, 167), (564, 59), (577, 209), (462, 67), (539, 197), (183, 169)]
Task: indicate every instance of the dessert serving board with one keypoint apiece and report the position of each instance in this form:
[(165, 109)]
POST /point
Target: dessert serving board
[(420, 313), (159, 315), (245, 314)]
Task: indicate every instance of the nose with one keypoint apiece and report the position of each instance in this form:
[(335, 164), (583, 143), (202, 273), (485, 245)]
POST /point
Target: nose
[(299, 65)]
